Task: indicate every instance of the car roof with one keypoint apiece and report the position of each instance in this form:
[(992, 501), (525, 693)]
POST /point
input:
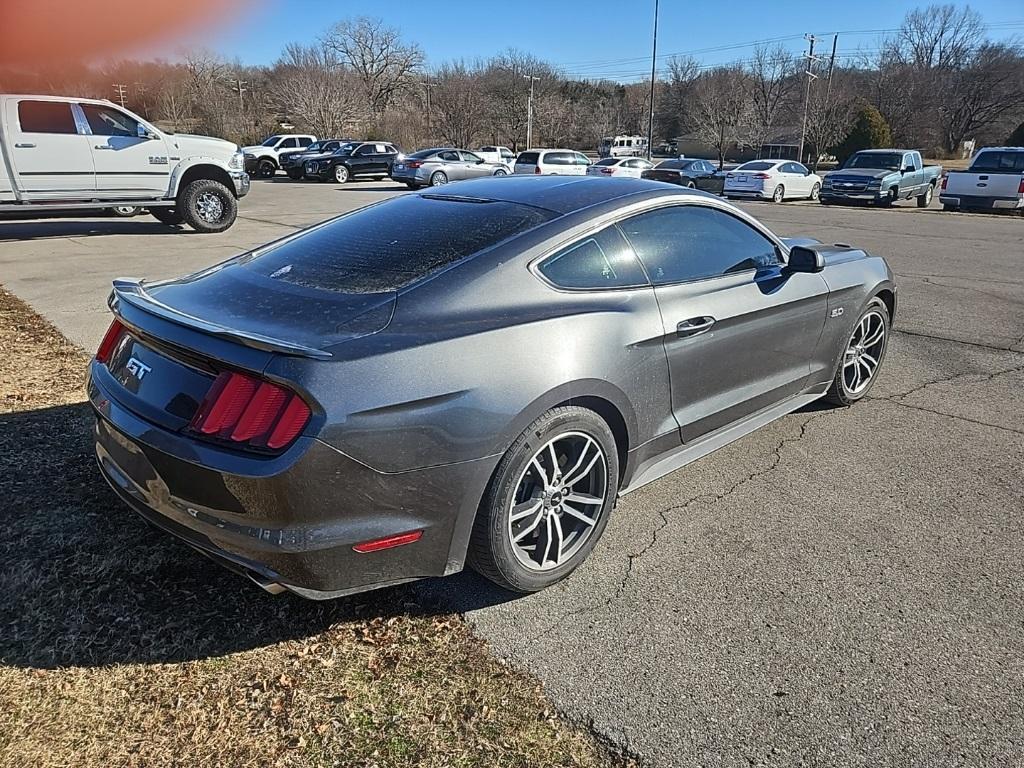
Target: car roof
[(561, 194)]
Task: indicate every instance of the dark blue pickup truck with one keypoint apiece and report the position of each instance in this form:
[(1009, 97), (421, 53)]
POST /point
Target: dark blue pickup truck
[(882, 176)]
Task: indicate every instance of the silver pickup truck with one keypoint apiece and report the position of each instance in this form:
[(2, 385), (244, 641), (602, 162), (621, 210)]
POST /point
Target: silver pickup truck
[(995, 180), (882, 176)]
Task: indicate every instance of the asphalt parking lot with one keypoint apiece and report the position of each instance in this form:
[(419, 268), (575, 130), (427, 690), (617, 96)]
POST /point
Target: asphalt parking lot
[(842, 587)]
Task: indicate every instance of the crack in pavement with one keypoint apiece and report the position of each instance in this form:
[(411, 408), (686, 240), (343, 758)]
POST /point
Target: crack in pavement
[(982, 378), (711, 498), (961, 341), (947, 415)]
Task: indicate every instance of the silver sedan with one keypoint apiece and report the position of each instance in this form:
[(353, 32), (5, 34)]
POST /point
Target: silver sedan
[(440, 165)]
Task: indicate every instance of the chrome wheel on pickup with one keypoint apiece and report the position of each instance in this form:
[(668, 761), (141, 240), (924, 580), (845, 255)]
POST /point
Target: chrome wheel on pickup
[(207, 206)]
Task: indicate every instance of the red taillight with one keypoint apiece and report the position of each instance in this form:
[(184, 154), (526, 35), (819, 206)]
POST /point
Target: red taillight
[(946, 179), (244, 410), (414, 164), (537, 171), (761, 176), (1020, 187), (607, 171), (110, 339), (375, 545)]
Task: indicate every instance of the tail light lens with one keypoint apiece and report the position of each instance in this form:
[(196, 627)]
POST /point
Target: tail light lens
[(537, 171), (607, 171), (414, 164), (250, 412), (1020, 187), (761, 176), (110, 339), (946, 179)]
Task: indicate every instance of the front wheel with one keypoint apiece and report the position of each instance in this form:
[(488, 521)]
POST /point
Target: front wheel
[(501, 172), (548, 502), (815, 191), (923, 201), (890, 198), (207, 206), (294, 175), (341, 174), (690, 185), (950, 208), (862, 356), (266, 169)]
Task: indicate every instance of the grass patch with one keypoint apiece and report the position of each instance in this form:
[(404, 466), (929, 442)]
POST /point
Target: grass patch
[(121, 647)]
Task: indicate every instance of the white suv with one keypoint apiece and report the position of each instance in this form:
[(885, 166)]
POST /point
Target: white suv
[(552, 162), (262, 161)]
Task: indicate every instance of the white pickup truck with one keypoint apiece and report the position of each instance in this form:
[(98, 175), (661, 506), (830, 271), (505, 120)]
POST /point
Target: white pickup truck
[(995, 180), (263, 160), (60, 154)]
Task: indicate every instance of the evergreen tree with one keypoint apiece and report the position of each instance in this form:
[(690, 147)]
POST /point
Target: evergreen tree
[(869, 131)]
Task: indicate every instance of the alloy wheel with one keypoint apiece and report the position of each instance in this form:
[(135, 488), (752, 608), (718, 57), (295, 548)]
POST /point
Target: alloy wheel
[(340, 174), (815, 191), (863, 353), (558, 501), (210, 207), (779, 194)]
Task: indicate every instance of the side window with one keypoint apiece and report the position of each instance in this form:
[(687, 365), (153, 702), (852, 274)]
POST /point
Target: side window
[(380, 149), (631, 164), (692, 242), (46, 117), (305, 141), (469, 157), (363, 150), (106, 121), (602, 260), (449, 156), (582, 159), (527, 158), (391, 149), (288, 144)]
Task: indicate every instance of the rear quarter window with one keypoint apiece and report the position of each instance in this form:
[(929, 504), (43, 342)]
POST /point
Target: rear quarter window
[(527, 158), (364, 252), (601, 260)]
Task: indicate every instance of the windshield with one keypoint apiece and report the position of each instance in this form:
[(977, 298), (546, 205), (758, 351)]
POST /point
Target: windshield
[(890, 161), (364, 252), (271, 141)]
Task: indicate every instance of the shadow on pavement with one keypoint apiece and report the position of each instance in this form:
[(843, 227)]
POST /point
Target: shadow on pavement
[(87, 583), (54, 228)]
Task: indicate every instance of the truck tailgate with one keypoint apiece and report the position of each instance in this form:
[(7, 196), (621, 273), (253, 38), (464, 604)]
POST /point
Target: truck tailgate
[(983, 184)]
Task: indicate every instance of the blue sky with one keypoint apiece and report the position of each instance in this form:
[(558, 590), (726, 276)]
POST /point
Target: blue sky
[(591, 38)]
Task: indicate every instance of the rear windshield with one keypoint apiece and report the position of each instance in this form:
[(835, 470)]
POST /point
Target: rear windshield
[(608, 161), (674, 164), (995, 161), (527, 158), (423, 154), (755, 166), (388, 246)]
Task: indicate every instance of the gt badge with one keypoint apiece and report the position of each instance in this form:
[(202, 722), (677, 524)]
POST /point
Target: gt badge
[(137, 368)]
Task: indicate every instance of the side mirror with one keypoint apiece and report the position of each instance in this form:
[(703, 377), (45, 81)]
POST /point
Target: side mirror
[(144, 133), (804, 260), (908, 169)]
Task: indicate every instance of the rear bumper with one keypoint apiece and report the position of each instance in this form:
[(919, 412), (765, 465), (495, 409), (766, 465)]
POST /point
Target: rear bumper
[(414, 176), (979, 203), (756, 194), (289, 522), (240, 179)]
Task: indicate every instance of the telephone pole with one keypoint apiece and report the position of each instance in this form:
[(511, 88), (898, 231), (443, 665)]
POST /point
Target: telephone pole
[(831, 68), (121, 89), (529, 111), (654, 60), (239, 87), (807, 95)]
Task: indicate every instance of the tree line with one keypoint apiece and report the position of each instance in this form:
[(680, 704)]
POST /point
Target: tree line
[(935, 83)]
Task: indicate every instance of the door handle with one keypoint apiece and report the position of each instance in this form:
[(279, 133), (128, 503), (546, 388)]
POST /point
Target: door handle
[(694, 325), (25, 145), (102, 146)]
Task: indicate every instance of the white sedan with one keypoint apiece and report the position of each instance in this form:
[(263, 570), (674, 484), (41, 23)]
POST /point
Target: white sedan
[(630, 167), (775, 180)]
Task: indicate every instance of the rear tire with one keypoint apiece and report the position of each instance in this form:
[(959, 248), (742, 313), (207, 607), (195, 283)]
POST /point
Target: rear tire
[(779, 194), (528, 479), (125, 211), (923, 201), (856, 374), (169, 216), (501, 172), (410, 185), (207, 206), (690, 185), (437, 178)]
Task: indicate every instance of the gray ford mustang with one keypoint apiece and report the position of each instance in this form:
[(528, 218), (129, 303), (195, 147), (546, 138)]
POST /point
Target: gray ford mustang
[(467, 375)]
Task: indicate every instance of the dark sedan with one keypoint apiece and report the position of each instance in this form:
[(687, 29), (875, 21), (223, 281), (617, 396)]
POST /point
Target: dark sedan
[(368, 159), (691, 173), (293, 163), (470, 375)]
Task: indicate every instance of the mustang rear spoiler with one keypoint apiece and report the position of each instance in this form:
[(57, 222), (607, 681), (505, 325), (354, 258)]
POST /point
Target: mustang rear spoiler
[(133, 291)]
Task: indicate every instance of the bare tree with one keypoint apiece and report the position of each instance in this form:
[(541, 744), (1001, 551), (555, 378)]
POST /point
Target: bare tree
[(830, 114), (772, 77), (458, 104), (674, 106), (978, 94), (724, 110), (939, 36), (314, 88), (508, 91), (383, 62)]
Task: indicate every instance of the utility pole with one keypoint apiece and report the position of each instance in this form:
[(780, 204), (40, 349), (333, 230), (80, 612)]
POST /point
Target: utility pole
[(121, 89), (831, 68), (430, 130), (654, 60), (529, 112), (807, 95), (140, 88), (240, 88)]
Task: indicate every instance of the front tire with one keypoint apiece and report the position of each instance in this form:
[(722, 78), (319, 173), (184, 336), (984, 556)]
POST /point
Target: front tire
[(207, 206), (266, 169), (862, 356), (548, 502), (950, 208), (923, 201), (341, 174), (815, 191), (779, 194), (294, 175), (501, 172)]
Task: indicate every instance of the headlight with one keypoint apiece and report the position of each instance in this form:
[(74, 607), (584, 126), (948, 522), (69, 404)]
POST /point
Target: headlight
[(237, 161), (875, 183)]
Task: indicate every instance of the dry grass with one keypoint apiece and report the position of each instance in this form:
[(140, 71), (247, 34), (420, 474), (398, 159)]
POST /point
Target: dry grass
[(121, 647)]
